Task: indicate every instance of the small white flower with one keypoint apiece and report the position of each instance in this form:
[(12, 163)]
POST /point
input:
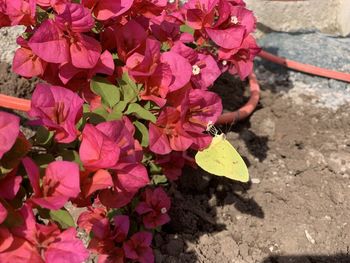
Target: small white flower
[(171, 1), (234, 20), (224, 62), (163, 210), (196, 70)]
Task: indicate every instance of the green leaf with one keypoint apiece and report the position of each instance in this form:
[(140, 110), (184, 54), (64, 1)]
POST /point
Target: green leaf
[(142, 133), (140, 112), (159, 179), (109, 93), (121, 105), (154, 168), (187, 29), (72, 156), (129, 88), (42, 160), (97, 116), (62, 217), (165, 46), (114, 115), (43, 136)]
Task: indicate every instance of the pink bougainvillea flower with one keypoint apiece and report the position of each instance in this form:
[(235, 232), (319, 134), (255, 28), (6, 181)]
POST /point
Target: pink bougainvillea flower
[(105, 65), (97, 150), (224, 31), (90, 217), (180, 69), (154, 207), (61, 40), (128, 38), (127, 179), (6, 238), (106, 9), (61, 251), (38, 243), (167, 133), (138, 247), (9, 185), (157, 85), (105, 235), (165, 27), (240, 60), (27, 64), (21, 12), (204, 67), (102, 179), (171, 164), (143, 62), (3, 214), (122, 153), (57, 108), (149, 9), (200, 14), (57, 5), (9, 130), (60, 183)]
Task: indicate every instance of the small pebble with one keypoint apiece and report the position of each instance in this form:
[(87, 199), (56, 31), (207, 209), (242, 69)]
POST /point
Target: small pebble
[(255, 180), (309, 237)]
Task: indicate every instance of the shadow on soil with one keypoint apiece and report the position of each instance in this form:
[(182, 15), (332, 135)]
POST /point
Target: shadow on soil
[(337, 258)]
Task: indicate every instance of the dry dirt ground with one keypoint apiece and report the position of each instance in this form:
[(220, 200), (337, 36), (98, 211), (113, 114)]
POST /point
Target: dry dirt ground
[(297, 207)]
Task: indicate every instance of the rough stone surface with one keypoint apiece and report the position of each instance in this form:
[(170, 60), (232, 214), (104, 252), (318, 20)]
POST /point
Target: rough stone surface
[(328, 16), (316, 49), (8, 43)]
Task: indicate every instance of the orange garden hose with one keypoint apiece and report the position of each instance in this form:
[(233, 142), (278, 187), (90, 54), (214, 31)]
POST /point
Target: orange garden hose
[(228, 117), (248, 108), (14, 103)]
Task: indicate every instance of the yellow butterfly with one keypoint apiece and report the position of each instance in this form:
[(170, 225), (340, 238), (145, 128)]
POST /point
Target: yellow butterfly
[(222, 159)]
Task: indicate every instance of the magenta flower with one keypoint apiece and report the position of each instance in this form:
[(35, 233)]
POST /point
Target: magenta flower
[(97, 150), (106, 9), (9, 130), (57, 5), (38, 243), (105, 65), (3, 214), (61, 40), (60, 183), (57, 108), (154, 207), (129, 174), (167, 133), (240, 60), (61, 250), (204, 67), (9, 185), (27, 64), (21, 12), (171, 164), (138, 247)]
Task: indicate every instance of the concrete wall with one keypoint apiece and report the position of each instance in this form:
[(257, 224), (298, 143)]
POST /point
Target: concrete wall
[(327, 16)]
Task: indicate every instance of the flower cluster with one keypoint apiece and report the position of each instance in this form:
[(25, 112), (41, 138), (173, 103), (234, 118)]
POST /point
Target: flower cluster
[(123, 104)]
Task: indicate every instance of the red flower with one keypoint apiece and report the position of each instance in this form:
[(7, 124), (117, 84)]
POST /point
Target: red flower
[(154, 208), (138, 247)]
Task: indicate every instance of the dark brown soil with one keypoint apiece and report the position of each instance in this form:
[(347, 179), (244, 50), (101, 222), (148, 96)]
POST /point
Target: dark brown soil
[(296, 209)]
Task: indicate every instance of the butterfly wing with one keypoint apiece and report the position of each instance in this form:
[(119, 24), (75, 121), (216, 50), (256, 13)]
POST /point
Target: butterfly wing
[(221, 159)]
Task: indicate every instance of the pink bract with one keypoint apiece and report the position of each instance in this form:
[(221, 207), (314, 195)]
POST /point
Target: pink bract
[(60, 183), (154, 207), (9, 130), (138, 247), (57, 108)]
